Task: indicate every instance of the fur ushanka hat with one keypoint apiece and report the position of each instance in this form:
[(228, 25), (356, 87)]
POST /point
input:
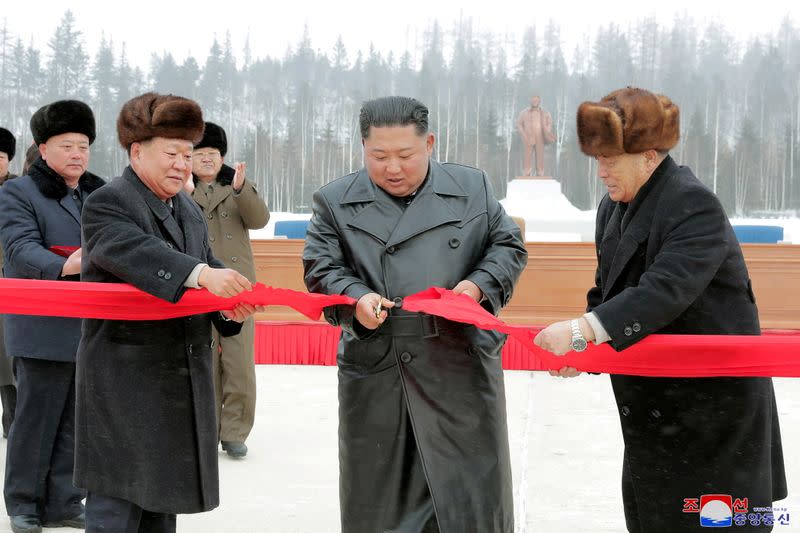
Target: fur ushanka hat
[(8, 143), (214, 137), (63, 116), (628, 121), (155, 115)]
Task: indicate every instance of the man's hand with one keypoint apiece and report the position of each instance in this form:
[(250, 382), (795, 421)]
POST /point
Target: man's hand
[(470, 289), (557, 337), (238, 177), (224, 282), (243, 311), (188, 185), (370, 310), (73, 264), (566, 372)]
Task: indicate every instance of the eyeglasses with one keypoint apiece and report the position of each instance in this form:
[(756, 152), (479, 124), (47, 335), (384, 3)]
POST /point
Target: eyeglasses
[(206, 155)]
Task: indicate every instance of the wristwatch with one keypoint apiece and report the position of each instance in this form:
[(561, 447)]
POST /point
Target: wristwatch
[(578, 341)]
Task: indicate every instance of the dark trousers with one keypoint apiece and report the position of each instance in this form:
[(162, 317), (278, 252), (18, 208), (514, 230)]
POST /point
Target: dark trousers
[(106, 514), (41, 444)]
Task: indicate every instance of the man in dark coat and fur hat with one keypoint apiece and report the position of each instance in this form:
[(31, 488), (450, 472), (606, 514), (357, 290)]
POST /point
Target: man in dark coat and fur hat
[(146, 428), (669, 262), (37, 211), (8, 392)]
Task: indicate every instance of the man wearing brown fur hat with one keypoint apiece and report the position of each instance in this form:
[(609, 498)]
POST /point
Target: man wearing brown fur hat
[(231, 206), (669, 262), (146, 429), (37, 211)]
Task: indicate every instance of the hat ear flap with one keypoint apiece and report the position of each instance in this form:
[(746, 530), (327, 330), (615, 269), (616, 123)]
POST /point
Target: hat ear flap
[(671, 132), (599, 130)]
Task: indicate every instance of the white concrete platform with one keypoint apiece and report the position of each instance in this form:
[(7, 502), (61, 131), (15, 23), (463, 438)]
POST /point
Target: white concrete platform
[(566, 456)]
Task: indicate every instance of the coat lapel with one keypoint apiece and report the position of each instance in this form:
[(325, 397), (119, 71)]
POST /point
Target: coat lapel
[(433, 206), (641, 213), (69, 204), (160, 210), (218, 196), (190, 222), (379, 216)]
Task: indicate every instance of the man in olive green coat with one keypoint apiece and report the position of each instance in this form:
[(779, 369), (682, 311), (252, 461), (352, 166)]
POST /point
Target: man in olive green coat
[(231, 206)]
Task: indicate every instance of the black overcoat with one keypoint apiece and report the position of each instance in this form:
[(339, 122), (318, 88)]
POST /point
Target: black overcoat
[(146, 426), (422, 412), (670, 263)]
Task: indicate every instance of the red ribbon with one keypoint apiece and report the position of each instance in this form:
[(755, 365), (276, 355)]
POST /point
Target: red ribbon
[(119, 301), (64, 251), (773, 355), (656, 355)]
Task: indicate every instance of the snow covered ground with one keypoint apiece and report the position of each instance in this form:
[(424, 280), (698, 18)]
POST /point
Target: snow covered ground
[(566, 454)]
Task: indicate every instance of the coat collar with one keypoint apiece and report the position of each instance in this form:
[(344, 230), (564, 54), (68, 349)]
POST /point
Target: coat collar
[(52, 185), (221, 192), (385, 220), (632, 228), (160, 209)]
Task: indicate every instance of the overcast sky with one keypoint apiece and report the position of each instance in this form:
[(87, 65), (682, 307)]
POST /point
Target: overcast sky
[(184, 28)]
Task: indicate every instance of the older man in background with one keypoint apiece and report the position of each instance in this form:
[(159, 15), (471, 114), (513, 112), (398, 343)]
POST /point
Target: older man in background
[(231, 206)]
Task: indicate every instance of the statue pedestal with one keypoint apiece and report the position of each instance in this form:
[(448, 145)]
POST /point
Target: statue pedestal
[(548, 215), (533, 178)]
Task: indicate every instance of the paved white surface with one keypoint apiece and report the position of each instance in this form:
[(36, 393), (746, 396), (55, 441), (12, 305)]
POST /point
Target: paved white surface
[(566, 456)]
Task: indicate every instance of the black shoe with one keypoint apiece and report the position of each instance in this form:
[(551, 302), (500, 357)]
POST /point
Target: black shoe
[(26, 523), (78, 522), (234, 449)]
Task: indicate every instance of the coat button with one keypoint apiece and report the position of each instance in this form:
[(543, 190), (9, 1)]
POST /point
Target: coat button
[(625, 410), (390, 250), (228, 236), (454, 243), (398, 302), (405, 357), (234, 259), (655, 413), (170, 245), (224, 214), (161, 273), (636, 327), (211, 239), (627, 331), (167, 276), (210, 216), (189, 349)]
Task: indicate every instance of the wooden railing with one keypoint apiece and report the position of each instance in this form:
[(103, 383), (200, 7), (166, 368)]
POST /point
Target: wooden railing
[(554, 284)]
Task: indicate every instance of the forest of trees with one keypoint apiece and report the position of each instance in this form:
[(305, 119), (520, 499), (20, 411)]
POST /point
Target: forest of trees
[(294, 119)]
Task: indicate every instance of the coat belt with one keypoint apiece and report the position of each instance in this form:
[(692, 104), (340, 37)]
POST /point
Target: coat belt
[(417, 325)]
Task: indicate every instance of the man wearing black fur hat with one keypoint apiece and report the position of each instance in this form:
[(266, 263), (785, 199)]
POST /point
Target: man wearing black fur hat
[(231, 206), (8, 146), (146, 428), (38, 211), (8, 392), (669, 262)]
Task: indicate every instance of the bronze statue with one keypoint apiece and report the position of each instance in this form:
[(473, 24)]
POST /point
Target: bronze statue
[(535, 127)]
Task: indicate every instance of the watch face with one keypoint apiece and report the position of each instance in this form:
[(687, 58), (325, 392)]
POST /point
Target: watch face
[(578, 345)]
